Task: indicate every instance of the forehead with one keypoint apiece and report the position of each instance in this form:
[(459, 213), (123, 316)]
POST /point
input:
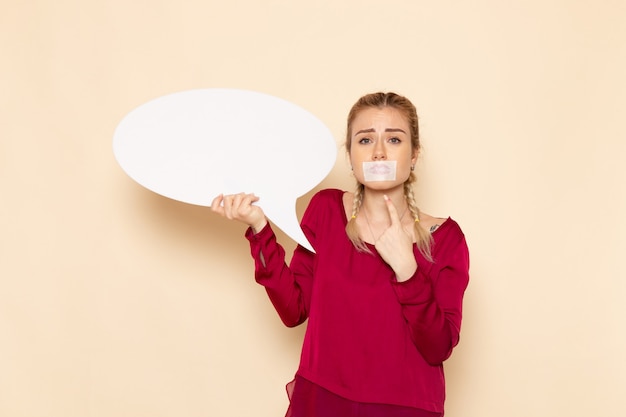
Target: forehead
[(380, 119)]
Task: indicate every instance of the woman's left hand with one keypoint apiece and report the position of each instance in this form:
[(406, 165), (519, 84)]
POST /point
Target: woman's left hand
[(395, 246)]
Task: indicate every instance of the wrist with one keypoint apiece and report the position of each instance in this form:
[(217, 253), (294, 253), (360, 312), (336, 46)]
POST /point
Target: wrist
[(257, 227), (406, 272)]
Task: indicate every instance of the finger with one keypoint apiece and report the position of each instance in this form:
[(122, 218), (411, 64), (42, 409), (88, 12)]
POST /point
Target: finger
[(250, 199), (228, 206), (236, 203), (393, 213), (241, 205), (216, 204)]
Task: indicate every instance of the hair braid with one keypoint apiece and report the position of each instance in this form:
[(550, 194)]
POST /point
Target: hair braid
[(422, 237), (351, 228)]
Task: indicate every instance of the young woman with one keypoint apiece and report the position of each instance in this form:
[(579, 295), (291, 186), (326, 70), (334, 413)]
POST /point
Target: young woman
[(383, 291)]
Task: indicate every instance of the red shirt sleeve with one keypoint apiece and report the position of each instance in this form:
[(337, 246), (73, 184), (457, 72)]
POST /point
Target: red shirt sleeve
[(432, 299), (288, 287)]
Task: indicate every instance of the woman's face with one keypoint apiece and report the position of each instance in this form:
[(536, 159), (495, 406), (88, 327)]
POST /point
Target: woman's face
[(380, 136)]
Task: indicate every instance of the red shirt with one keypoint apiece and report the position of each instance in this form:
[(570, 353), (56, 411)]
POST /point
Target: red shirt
[(369, 338)]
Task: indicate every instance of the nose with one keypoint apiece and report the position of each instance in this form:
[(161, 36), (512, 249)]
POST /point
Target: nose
[(379, 153)]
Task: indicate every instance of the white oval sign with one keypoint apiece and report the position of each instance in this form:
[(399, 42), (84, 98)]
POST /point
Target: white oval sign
[(193, 145)]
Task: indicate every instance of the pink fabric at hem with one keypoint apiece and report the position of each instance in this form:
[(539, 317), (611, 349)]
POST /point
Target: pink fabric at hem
[(310, 400)]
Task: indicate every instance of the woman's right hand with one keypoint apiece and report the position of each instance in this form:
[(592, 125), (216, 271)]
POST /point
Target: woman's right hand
[(240, 207)]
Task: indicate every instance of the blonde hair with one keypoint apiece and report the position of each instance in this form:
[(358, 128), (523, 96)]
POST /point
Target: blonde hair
[(404, 105)]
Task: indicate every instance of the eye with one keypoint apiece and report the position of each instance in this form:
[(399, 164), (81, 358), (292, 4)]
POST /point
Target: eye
[(394, 139), (364, 141)]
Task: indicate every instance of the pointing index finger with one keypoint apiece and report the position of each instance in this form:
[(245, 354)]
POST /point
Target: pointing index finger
[(393, 213)]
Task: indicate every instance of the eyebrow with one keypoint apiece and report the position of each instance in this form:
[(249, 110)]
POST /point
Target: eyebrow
[(371, 130)]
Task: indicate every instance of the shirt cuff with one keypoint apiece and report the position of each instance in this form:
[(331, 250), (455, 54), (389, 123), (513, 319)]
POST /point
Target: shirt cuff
[(262, 235), (415, 290)]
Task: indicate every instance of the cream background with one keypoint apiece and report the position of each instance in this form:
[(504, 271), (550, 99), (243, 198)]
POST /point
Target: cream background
[(115, 301)]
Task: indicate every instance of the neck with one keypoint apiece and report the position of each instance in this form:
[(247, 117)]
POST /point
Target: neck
[(374, 202)]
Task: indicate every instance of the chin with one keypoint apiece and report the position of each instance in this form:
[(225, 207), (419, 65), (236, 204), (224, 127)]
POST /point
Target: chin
[(383, 185)]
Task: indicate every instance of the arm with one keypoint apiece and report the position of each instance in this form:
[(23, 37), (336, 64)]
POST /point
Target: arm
[(289, 288), (432, 303)]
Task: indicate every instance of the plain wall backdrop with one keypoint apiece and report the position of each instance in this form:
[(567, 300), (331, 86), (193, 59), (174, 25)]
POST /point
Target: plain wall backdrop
[(117, 302)]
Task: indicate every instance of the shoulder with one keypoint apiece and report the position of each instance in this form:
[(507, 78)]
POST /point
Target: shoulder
[(453, 227), (430, 223), (324, 213), (445, 231), (441, 225), (325, 200), (326, 196), (449, 240), (329, 193)]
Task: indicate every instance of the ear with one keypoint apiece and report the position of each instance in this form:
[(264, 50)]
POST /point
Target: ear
[(416, 154), (349, 160)]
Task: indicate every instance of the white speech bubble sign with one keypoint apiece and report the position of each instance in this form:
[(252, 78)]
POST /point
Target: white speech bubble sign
[(194, 145)]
